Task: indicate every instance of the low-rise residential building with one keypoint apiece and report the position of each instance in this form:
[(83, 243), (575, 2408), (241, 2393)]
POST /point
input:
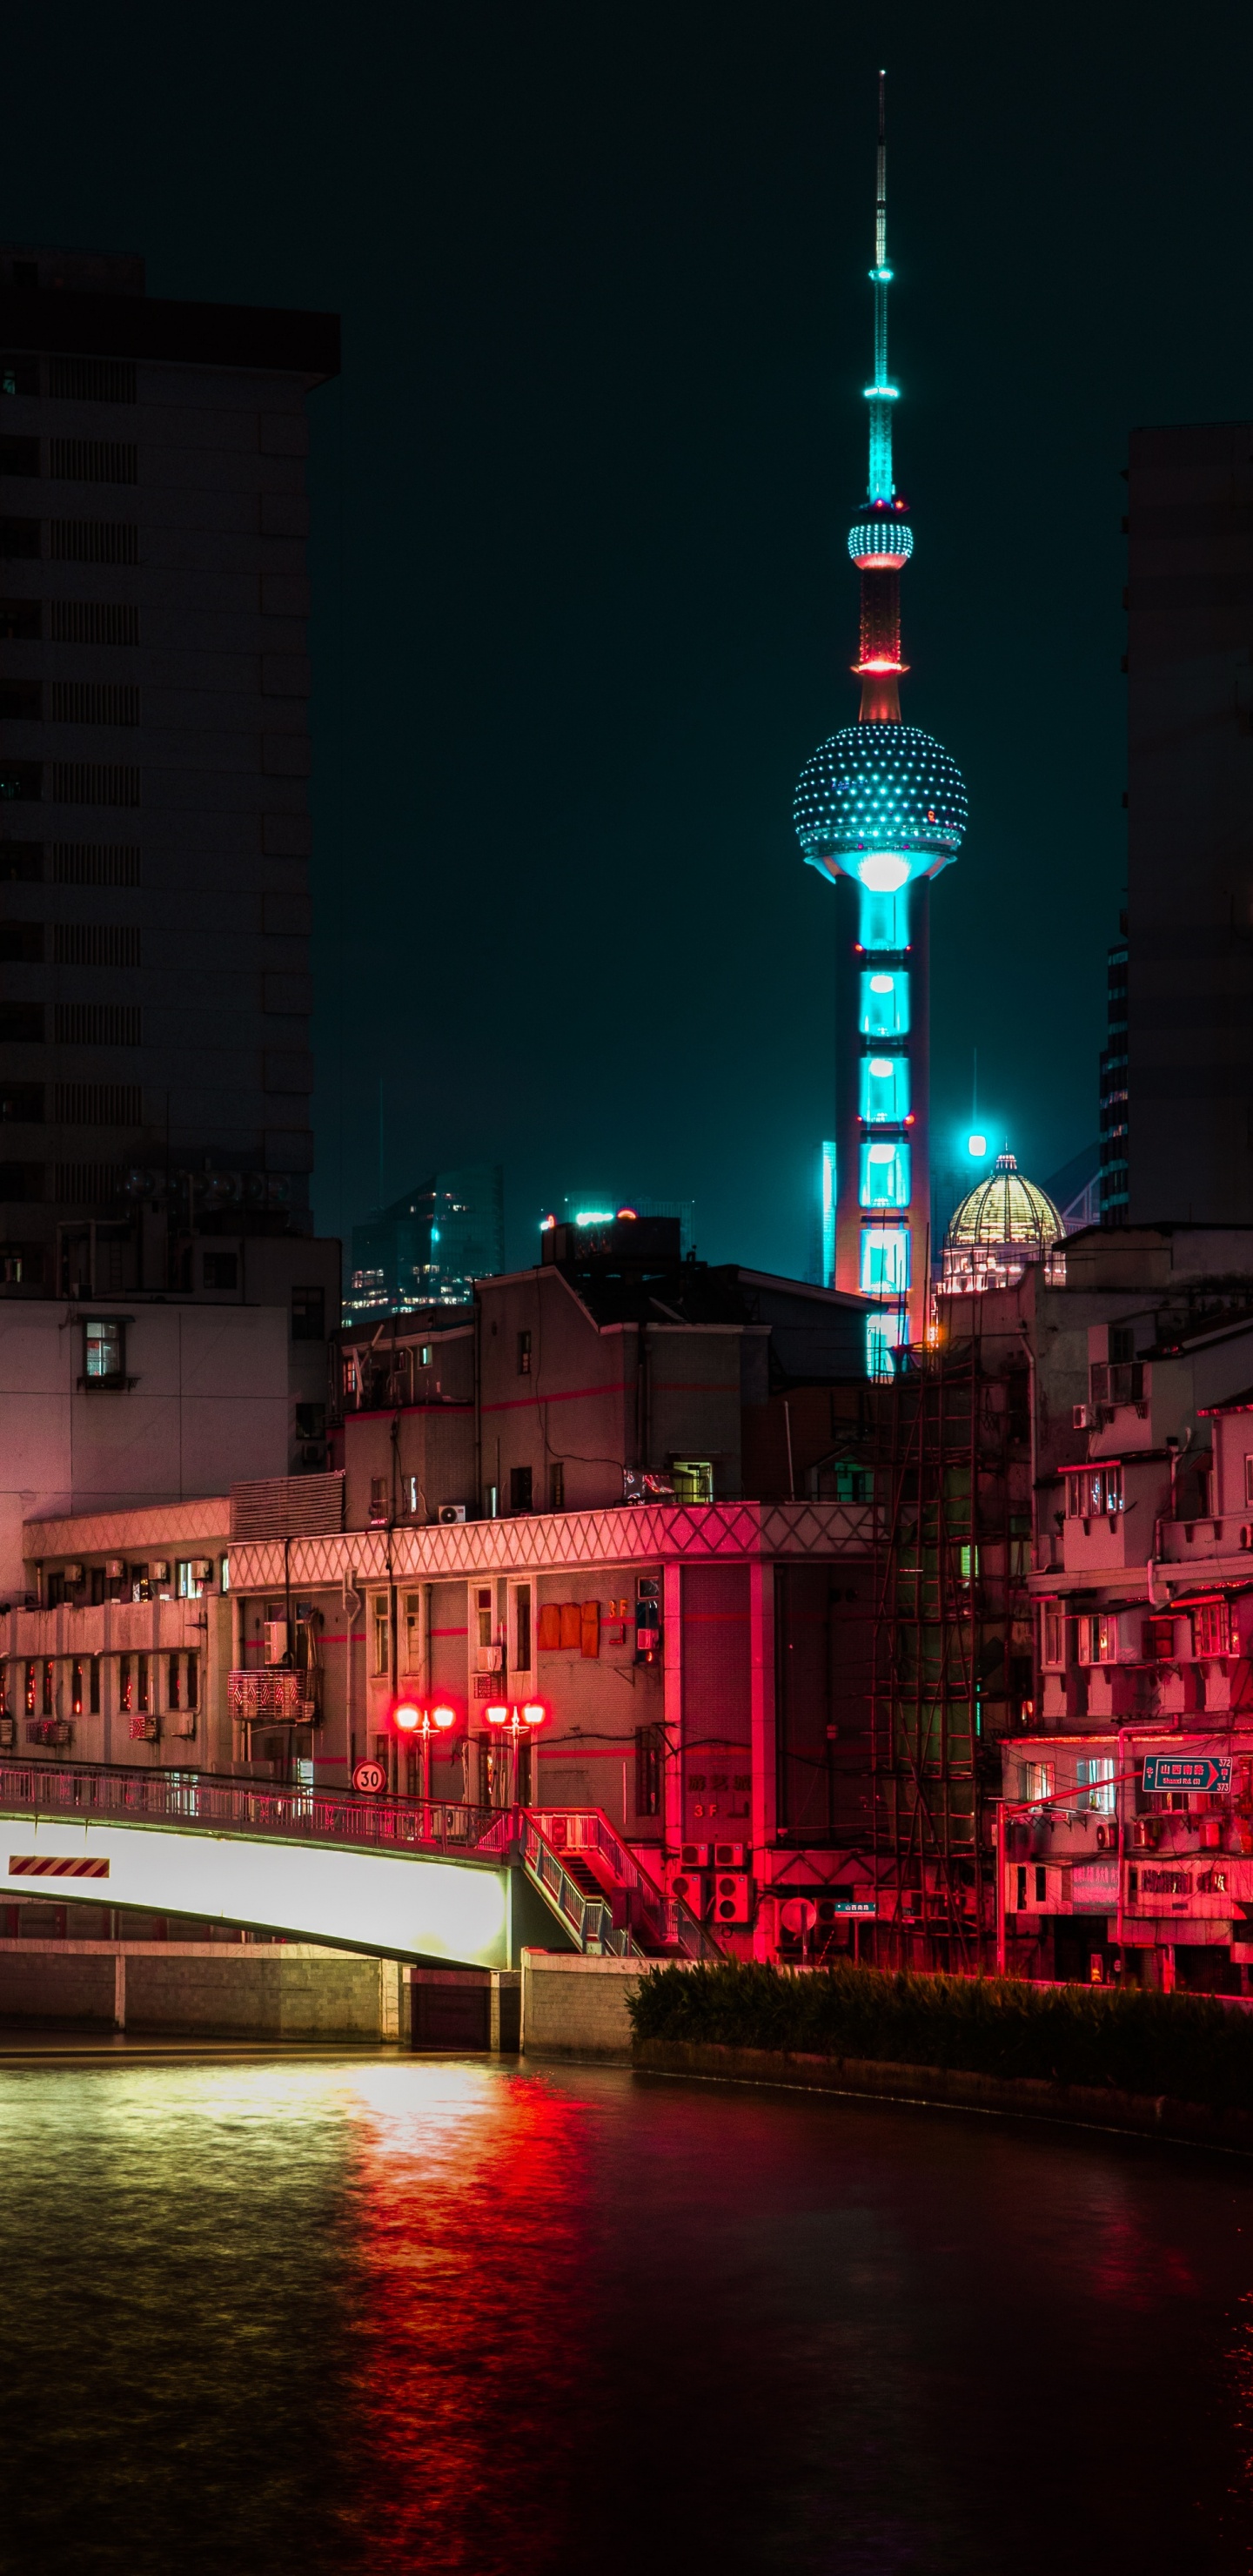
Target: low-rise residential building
[(1141, 1588), (536, 1578)]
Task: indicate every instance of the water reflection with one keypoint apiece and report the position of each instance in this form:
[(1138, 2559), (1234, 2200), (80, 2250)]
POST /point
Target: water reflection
[(449, 2316), (470, 2336)]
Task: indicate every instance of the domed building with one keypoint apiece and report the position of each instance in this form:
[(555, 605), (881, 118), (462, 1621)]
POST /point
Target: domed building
[(1001, 1226)]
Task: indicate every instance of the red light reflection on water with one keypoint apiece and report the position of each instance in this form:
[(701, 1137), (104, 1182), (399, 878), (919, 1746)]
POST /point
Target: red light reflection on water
[(471, 2339)]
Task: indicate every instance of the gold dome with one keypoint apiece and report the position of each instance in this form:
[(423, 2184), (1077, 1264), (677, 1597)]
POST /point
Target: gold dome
[(1002, 1224)]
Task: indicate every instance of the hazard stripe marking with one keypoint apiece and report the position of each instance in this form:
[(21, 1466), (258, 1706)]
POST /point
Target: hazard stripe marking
[(31, 1866)]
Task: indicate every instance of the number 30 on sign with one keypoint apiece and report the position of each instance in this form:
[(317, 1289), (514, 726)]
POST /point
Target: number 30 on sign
[(370, 1776)]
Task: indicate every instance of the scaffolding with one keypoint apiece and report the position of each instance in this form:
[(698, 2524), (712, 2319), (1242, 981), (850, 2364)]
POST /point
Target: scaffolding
[(951, 1655)]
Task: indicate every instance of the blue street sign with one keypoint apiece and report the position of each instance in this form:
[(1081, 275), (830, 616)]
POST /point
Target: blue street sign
[(1196, 1771)]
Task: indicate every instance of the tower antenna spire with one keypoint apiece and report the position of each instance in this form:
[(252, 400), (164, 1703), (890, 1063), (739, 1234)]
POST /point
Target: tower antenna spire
[(882, 393)]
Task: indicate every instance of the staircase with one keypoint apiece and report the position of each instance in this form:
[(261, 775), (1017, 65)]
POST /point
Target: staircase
[(582, 1867)]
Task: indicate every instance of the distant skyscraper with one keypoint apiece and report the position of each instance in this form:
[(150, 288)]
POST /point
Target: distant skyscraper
[(822, 1217), (881, 809), (429, 1246), (154, 751), (1186, 1145)]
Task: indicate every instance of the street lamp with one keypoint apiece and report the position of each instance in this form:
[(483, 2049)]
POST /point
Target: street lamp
[(515, 1725), (412, 1720)]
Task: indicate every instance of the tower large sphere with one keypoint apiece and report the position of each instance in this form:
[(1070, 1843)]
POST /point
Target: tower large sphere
[(882, 802)]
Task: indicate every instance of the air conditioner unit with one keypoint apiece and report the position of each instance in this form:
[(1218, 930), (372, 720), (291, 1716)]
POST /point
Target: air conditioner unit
[(202, 1569), (183, 1722), (115, 1566), (71, 1574), (691, 1888), (1081, 1417), (8, 1733), (489, 1659), (449, 1514), (160, 1572), (732, 1891), (143, 1730), (1107, 1837), (694, 1856), (728, 1855), (275, 1640)]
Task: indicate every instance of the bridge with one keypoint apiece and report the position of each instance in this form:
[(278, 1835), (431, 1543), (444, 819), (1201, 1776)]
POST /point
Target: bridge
[(405, 1879)]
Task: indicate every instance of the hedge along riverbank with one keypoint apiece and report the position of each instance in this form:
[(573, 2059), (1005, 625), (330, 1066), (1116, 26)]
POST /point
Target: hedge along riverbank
[(1190, 2047)]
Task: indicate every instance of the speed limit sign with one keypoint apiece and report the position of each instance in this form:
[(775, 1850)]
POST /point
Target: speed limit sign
[(371, 1776)]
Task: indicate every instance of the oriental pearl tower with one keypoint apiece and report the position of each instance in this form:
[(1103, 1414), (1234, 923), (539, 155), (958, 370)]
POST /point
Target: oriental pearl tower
[(880, 808)]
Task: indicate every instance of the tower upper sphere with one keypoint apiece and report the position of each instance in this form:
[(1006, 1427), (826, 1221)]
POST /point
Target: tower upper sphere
[(881, 802)]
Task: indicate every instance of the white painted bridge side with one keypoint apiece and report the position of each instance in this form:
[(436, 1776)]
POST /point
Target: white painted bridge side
[(402, 1907)]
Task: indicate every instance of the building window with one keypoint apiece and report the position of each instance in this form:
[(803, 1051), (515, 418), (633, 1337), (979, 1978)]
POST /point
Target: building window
[(522, 1627), (104, 1351), (413, 1632), (557, 1485), (94, 1685), (173, 1680), (77, 1678), (191, 1577), (1248, 1477), (520, 1483), (143, 1684), (483, 1614), (1097, 1777), (1212, 1629), (382, 1633), (378, 1500), (693, 1480), (49, 1690), (193, 1680), (524, 1354), (1091, 1491), (221, 1270), (126, 1684), (1041, 1885), (1039, 1780), (308, 1314), (1054, 1638), (648, 1751), (29, 1690)]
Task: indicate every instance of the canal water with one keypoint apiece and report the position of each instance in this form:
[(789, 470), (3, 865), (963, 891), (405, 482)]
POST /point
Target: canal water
[(424, 2315)]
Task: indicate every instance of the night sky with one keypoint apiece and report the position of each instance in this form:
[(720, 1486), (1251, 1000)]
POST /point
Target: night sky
[(582, 600)]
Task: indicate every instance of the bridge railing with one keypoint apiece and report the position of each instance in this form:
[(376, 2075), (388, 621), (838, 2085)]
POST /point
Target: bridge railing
[(218, 1802)]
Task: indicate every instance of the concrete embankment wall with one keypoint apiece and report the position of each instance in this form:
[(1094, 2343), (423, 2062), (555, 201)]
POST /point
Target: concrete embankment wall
[(576, 2007), (1025, 2097), (275, 1991)]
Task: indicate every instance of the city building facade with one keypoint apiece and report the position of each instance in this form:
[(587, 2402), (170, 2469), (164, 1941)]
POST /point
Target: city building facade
[(1188, 1113), (154, 754)]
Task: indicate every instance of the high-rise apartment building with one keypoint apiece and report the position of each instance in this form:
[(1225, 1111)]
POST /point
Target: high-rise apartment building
[(154, 752), (1188, 1112)]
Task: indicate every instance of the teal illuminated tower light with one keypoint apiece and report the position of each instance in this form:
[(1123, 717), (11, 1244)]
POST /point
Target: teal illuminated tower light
[(880, 808)]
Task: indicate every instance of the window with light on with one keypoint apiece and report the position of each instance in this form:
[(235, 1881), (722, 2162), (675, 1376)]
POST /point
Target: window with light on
[(884, 1090), (885, 1261), (884, 1176), (104, 1350), (884, 1005)]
